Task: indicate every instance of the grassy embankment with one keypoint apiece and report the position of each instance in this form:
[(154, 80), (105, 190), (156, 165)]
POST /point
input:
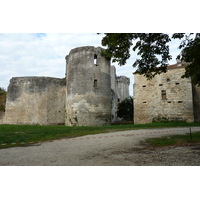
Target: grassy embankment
[(33, 133)]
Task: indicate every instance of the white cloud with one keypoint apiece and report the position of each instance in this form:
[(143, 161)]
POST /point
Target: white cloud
[(44, 54), (38, 54)]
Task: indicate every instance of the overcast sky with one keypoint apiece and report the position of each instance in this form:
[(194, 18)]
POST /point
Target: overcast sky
[(40, 54)]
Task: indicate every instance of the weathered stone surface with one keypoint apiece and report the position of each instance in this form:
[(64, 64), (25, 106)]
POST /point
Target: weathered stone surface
[(150, 105), (35, 100), (88, 99), (114, 94), (84, 101), (123, 83)]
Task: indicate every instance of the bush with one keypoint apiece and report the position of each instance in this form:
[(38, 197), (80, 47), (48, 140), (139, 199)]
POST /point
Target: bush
[(2, 99), (125, 109)]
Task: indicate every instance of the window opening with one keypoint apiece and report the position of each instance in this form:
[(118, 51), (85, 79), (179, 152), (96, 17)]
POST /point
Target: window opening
[(95, 83), (95, 59), (144, 86), (180, 101), (177, 83), (163, 94), (168, 79), (160, 84)]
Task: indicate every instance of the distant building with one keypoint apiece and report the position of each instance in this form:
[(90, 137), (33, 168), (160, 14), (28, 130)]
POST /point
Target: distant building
[(167, 97), (119, 91)]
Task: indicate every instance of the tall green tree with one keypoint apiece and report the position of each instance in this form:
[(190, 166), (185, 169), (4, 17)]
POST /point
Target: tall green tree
[(125, 109), (153, 51)]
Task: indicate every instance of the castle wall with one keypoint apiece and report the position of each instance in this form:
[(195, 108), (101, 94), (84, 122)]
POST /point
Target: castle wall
[(114, 93), (35, 100), (56, 102), (88, 98), (165, 97), (113, 78), (123, 87)]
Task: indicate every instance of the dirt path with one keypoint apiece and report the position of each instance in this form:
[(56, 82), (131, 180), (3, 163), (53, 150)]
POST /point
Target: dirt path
[(110, 149)]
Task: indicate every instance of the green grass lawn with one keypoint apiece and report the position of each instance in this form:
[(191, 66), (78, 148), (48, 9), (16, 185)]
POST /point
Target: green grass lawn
[(33, 133), (174, 140)]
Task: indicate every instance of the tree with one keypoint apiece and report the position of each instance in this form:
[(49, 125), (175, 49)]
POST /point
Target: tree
[(153, 49), (2, 90), (125, 109), (2, 99)]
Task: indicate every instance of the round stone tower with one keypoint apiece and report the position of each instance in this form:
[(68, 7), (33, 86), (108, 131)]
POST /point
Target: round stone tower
[(88, 95)]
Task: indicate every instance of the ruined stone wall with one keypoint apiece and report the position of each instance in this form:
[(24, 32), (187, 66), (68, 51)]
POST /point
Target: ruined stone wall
[(35, 100), (113, 78), (114, 93), (56, 102), (88, 98), (123, 83), (165, 97)]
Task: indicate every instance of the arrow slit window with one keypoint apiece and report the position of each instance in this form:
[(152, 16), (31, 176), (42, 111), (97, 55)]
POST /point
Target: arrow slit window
[(95, 59), (163, 94), (95, 83)]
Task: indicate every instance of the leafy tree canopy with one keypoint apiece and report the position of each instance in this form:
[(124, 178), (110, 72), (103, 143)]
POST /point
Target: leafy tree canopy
[(153, 51), (125, 109), (2, 90), (2, 99)]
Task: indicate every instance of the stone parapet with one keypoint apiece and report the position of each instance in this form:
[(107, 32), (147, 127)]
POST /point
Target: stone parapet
[(35, 100)]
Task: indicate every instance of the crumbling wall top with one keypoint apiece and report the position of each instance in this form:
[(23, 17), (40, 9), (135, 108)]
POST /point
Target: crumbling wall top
[(85, 48), (123, 79)]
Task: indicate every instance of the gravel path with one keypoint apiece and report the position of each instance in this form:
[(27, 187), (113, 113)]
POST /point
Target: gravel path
[(109, 149)]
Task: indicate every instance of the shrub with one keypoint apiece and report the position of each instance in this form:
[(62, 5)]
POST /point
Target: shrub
[(125, 109)]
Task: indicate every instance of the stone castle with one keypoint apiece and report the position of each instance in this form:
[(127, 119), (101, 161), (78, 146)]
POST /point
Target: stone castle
[(87, 96), (91, 90), (166, 97)]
